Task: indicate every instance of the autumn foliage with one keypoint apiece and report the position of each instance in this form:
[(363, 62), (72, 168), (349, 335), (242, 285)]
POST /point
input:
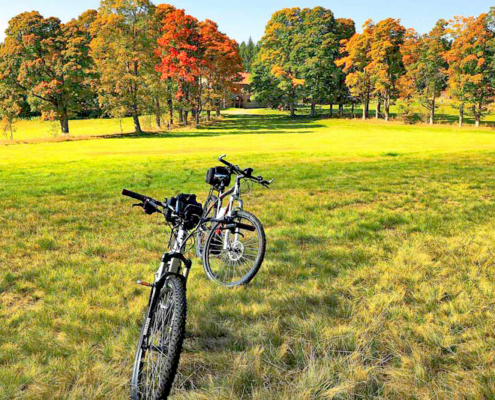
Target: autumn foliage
[(134, 58), (202, 61)]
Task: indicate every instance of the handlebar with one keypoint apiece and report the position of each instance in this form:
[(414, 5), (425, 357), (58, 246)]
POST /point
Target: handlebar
[(245, 173), (134, 195), (149, 204)]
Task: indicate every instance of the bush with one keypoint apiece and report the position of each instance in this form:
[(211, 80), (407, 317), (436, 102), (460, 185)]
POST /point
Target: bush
[(406, 112)]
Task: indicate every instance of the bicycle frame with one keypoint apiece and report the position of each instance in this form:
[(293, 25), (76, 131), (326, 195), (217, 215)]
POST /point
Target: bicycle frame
[(235, 196)]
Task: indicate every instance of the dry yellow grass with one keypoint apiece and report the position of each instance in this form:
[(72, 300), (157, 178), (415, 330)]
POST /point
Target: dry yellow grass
[(378, 281)]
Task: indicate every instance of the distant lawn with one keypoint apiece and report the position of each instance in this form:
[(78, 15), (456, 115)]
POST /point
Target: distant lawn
[(378, 280), (46, 130)]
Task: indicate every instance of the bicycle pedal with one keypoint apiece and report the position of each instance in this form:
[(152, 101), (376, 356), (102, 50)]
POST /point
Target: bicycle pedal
[(143, 283)]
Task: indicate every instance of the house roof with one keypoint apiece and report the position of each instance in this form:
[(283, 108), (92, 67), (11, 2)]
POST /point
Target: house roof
[(245, 78)]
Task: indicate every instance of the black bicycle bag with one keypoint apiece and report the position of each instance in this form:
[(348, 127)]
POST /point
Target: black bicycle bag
[(218, 176), (186, 207)]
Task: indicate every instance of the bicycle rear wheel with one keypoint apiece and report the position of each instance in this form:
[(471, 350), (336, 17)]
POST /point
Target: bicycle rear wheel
[(233, 258), (160, 344)]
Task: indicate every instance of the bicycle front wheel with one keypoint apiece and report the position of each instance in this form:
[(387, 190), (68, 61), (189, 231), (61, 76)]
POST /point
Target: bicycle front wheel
[(160, 344), (202, 233), (233, 257)]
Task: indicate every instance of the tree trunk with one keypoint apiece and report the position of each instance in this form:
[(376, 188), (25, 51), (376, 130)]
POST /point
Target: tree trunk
[(461, 114), (352, 110), (386, 106), (330, 109), (364, 110), (341, 108), (170, 112), (218, 112), (158, 113), (64, 122), (432, 111), (181, 115), (378, 108), (367, 107), (477, 115), (292, 109), (208, 115), (198, 116), (121, 127), (137, 123), (313, 108), (186, 118)]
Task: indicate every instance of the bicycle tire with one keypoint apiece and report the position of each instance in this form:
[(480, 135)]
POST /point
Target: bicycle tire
[(211, 252), (175, 290)]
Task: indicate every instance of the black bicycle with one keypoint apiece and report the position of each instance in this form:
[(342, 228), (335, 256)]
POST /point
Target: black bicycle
[(160, 343), (231, 257), (162, 334)]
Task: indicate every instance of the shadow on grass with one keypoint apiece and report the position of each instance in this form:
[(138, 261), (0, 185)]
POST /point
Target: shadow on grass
[(236, 125)]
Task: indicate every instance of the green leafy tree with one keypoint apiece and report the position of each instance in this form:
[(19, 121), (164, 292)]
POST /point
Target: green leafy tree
[(278, 52), (316, 49), (248, 52), (386, 65), (10, 109)]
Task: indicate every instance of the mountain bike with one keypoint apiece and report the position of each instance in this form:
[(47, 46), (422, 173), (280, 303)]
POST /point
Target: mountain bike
[(231, 257), (162, 334)]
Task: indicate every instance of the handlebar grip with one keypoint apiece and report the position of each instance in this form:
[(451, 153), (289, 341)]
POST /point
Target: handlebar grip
[(223, 161), (134, 195)]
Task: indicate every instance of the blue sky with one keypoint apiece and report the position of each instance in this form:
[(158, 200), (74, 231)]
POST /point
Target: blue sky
[(245, 18)]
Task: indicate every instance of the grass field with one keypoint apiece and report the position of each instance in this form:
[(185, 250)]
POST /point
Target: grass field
[(378, 280)]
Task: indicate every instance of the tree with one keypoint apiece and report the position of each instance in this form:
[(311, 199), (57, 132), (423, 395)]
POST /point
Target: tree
[(426, 69), (123, 52), (470, 72), (317, 48), (355, 63), (221, 67), (181, 56), (202, 61), (9, 111), (248, 52), (386, 65), (345, 30), (48, 62), (279, 53)]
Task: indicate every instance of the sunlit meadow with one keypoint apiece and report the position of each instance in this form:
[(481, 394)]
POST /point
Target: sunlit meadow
[(378, 280)]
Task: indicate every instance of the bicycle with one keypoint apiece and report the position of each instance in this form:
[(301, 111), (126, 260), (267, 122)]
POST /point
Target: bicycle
[(229, 256), (162, 334)]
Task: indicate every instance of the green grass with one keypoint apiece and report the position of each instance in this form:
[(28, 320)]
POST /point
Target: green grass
[(378, 281)]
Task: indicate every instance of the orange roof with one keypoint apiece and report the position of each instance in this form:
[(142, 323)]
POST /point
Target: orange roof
[(245, 78)]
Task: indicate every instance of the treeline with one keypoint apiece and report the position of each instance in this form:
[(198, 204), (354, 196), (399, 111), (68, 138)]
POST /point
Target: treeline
[(309, 56), (126, 59)]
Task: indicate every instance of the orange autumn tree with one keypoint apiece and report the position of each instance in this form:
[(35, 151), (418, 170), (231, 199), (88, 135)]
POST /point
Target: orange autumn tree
[(425, 68), (355, 63), (221, 67), (181, 57), (48, 63), (201, 60), (470, 70)]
